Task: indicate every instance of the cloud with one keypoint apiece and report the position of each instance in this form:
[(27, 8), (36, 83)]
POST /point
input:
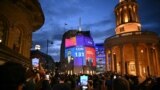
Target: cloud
[(102, 29), (149, 15), (99, 23), (60, 10), (97, 16)]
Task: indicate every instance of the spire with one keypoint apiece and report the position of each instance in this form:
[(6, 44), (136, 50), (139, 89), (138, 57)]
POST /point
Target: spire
[(80, 29)]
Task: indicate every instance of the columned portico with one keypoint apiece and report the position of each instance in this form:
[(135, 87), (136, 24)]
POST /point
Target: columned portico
[(133, 53), (137, 52)]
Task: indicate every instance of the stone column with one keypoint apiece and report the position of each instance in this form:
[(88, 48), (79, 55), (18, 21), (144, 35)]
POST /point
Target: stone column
[(136, 59), (122, 60), (106, 53), (109, 59), (149, 67), (115, 62), (157, 61), (117, 18), (112, 60), (154, 61)]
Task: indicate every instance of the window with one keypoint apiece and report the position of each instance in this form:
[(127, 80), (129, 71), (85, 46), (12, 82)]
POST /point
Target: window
[(122, 29)]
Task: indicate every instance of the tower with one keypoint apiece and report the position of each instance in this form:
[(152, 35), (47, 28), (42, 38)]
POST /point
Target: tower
[(127, 20), (132, 51)]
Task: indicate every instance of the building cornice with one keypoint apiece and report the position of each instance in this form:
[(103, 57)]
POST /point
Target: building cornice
[(30, 8), (132, 37)]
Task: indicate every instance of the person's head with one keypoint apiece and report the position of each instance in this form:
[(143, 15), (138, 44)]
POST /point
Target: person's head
[(12, 75), (158, 80), (62, 77), (120, 84)]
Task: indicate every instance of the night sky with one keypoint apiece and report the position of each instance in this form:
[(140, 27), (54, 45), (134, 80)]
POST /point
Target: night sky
[(96, 16)]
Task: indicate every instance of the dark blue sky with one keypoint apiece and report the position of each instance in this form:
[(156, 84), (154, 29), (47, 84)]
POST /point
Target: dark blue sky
[(96, 15)]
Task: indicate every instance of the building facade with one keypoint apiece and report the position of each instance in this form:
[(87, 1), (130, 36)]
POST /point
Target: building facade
[(100, 58), (18, 19), (132, 51), (78, 52)]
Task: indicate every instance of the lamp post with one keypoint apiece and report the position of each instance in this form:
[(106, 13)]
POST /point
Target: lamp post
[(48, 41)]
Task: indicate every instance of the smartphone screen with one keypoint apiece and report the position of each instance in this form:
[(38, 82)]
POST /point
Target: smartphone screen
[(84, 87), (35, 62), (47, 77), (84, 80), (114, 77)]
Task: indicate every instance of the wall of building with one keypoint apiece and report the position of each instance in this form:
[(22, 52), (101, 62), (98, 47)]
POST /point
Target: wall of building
[(17, 22)]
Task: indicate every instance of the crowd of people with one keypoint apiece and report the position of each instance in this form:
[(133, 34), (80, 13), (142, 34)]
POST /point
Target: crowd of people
[(14, 76)]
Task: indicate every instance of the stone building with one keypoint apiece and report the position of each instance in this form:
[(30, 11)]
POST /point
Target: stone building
[(18, 19), (131, 50)]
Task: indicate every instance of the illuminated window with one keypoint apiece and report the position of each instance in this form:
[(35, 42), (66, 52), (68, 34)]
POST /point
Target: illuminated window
[(126, 18), (121, 29), (17, 38), (2, 29)]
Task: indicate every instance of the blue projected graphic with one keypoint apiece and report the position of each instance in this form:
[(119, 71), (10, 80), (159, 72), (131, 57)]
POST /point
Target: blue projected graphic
[(77, 54)]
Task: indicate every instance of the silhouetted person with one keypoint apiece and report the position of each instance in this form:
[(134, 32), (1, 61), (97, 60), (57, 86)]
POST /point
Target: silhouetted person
[(46, 83), (156, 86), (120, 84), (12, 76), (30, 83), (61, 85)]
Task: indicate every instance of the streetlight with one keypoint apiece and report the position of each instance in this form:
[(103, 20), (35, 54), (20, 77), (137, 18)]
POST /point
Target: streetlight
[(48, 42)]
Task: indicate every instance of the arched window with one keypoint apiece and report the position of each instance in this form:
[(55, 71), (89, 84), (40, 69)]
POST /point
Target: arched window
[(3, 29), (17, 38)]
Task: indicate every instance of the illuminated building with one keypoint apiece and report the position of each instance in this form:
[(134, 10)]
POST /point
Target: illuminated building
[(78, 52), (132, 51), (100, 58), (18, 19)]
